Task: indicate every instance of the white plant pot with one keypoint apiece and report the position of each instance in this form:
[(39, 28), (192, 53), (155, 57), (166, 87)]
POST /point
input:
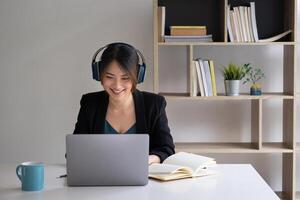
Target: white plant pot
[(232, 87)]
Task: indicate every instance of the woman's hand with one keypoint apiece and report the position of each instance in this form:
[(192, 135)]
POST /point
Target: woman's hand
[(153, 159)]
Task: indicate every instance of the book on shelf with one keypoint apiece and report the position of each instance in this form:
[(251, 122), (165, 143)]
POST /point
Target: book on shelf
[(241, 11), (182, 165), (203, 74), (239, 24), (276, 37), (213, 77), (232, 25), (235, 27), (204, 38), (253, 21), (188, 30), (194, 82), (229, 25), (188, 27), (242, 26), (250, 24), (161, 18), (245, 12), (199, 77), (204, 82), (208, 77)]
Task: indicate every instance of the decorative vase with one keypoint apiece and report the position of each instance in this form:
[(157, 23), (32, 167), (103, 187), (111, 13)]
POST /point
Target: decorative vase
[(232, 87), (255, 91)]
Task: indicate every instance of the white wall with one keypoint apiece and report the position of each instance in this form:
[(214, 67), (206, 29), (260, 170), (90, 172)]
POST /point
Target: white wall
[(45, 54)]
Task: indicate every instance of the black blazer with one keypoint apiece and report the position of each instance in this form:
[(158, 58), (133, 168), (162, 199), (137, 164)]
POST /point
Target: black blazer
[(150, 114)]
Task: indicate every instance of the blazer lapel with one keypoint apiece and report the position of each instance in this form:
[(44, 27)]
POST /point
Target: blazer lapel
[(141, 126), (101, 109)]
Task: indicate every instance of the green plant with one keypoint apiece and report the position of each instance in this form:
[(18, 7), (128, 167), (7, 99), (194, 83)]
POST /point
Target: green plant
[(233, 72), (253, 75)]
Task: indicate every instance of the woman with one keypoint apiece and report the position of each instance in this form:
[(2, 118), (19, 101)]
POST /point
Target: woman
[(121, 108)]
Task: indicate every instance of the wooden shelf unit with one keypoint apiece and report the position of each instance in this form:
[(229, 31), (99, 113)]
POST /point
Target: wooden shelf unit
[(237, 147), (242, 96), (212, 14), (224, 43)]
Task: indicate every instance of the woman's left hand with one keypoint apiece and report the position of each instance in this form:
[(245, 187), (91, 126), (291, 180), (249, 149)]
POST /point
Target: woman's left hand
[(153, 159)]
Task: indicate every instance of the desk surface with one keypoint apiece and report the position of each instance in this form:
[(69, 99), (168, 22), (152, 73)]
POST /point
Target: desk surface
[(234, 182)]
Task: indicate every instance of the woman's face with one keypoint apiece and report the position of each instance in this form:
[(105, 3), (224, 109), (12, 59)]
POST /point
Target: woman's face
[(116, 82)]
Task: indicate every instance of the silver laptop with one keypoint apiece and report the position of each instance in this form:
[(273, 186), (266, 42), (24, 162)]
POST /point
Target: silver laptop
[(106, 159)]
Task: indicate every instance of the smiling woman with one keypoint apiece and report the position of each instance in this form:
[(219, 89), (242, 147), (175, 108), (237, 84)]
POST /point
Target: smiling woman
[(117, 82), (121, 108), (120, 112)]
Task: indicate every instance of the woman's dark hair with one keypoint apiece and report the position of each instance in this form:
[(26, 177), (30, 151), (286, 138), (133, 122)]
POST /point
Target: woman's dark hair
[(127, 58)]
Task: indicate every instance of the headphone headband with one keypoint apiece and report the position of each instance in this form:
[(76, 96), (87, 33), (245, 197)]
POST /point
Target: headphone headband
[(96, 66), (102, 48)]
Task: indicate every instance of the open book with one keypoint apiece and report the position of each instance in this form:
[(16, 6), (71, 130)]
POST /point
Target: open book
[(276, 37), (182, 165)]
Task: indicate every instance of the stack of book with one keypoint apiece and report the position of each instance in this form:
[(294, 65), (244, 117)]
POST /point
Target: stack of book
[(188, 30), (188, 34), (203, 79), (180, 33), (170, 38), (242, 27)]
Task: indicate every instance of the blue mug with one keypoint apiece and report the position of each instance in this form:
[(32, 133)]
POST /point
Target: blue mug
[(31, 174)]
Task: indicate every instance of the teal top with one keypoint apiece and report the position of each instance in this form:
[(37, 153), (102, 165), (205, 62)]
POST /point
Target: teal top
[(108, 129)]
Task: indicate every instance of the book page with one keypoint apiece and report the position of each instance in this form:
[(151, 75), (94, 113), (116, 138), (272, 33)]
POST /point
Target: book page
[(168, 169), (179, 173), (190, 160)]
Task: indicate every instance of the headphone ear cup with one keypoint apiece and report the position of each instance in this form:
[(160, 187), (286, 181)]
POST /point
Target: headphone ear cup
[(96, 66), (141, 73)]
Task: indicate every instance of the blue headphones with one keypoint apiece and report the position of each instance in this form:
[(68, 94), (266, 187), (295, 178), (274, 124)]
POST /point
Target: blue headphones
[(97, 66)]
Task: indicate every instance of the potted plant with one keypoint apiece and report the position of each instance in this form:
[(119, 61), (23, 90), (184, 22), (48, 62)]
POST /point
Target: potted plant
[(253, 75), (233, 74)]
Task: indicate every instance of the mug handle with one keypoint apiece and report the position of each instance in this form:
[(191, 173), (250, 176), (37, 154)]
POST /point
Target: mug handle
[(17, 172)]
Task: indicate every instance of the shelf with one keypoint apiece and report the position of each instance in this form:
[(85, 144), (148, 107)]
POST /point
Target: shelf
[(213, 14), (243, 96), (195, 147), (275, 147), (223, 43)]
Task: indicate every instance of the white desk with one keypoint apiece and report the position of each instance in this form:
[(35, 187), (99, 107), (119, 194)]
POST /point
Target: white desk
[(234, 182)]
